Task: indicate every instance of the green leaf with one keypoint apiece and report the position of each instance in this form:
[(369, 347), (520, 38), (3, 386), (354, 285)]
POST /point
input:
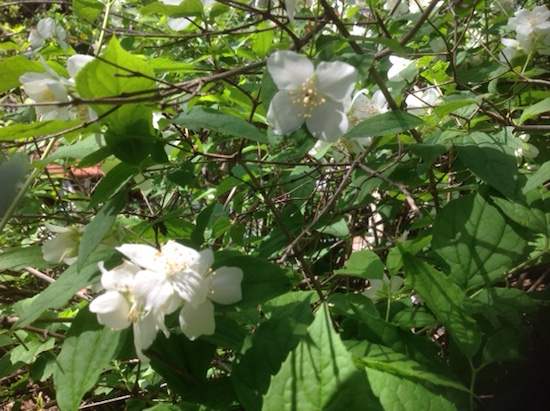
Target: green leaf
[(399, 393), (387, 123), (113, 181), (474, 242), (385, 359), (199, 117), (261, 42), (36, 129), (87, 350), (88, 9), (80, 149), (18, 258), (63, 289), (541, 176), (533, 216), (14, 67), (534, 110), (364, 264), (186, 8), (445, 299), (490, 159), (320, 375), (269, 346), (98, 228), (502, 346), (117, 74)]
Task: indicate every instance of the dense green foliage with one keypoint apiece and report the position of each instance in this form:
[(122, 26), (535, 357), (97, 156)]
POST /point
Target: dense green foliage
[(403, 266)]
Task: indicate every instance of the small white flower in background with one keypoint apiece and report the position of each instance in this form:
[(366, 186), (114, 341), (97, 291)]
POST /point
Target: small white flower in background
[(291, 8), (181, 23), (401, 8), (511, 48), (383, 289), (421, 102), (63, 247), (118, 308), (397, 70), (526, 149), (45, 29), (532, 28), (363, 107), (314, 96), (42, 88), (50, 87)]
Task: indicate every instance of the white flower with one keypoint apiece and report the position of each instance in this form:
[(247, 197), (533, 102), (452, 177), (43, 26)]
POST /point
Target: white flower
[(181, 23), (63, 247), (532, 27), (291, 8), (384, 288), (402, 8), (168, 277), (118, 308), (50, 87), (511, 47), (45, 29), (224, 288), (315, 96), (420, 102), (397, 70), (41, 87), (363, 107), (526, 149)]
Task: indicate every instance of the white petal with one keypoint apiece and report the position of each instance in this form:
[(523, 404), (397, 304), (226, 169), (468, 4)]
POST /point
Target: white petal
[(143, 255), (178, 257), (204, 262), (328, 121), (191, 287), (145, 332), (46, 27), (63, 245), (195, 322), (112, 310), (120, 278), (152, 290), (290, 9), (335, 79), (283, 115), (288, 69), (226, 285), (76, 62), (178, 24)]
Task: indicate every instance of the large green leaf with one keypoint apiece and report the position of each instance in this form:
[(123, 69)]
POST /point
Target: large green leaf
[(69, 282), (12, 68), (541, 176), (87, 9), (98, 228), (364, 264), (36, 129), (320, 375), (116, 74), (445, 299), (113, 181), (18, 258), (199, 117), (532, 111), (474, 243), (387, 123), (268, 348), (399, 393), (87, 350), (490, 159)]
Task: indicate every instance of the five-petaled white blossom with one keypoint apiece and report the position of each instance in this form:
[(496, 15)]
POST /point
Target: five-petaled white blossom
[(363, 107), (50, 87), (420, 102), (45, 29), (314, 96), (154, 283), (532, 28)]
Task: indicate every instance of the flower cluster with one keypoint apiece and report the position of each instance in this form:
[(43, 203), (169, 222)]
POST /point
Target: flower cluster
[(49, 87), (532, 29), (151, 284), (45, 29)]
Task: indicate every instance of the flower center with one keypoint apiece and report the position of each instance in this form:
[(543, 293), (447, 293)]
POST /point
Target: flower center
[(306, 97), (48, 96)]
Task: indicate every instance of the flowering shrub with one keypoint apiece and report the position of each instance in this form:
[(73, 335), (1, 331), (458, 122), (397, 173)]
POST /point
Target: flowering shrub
[(299, 205)]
